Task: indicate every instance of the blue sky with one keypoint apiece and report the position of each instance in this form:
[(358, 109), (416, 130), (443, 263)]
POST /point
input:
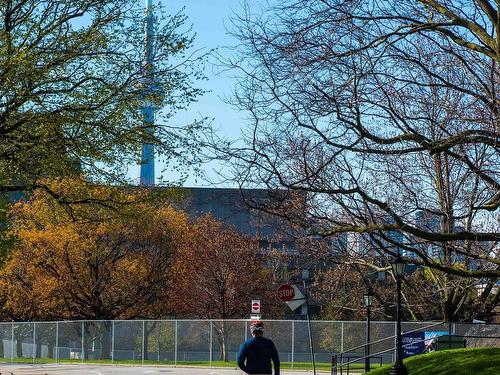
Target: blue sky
[(209, 19)]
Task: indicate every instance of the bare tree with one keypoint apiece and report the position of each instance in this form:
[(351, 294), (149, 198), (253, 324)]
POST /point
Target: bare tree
[(384, 114), (427, 294)]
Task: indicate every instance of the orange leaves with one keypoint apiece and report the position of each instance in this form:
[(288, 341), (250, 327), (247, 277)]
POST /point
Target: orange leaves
[(217, 272), (99, 254)]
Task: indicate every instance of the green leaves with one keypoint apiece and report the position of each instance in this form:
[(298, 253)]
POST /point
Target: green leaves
[(71, 75)]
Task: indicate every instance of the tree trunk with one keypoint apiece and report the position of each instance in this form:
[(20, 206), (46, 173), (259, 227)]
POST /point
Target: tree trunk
[(105, 341), (147, 333), (50, 348), (86, 349), (19, 346), (145, 355), (38, 347), (222, 338), (86, 343), (2, 352), (224, 349)]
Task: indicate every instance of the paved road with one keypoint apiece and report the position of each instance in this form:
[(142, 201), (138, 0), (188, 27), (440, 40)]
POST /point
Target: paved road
[(119, 370)]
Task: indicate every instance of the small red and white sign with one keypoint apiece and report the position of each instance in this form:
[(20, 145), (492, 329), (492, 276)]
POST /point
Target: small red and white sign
[(256, 306), (286, 292)]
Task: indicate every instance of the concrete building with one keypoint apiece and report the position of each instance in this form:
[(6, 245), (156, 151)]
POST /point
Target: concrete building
[(233, 207)]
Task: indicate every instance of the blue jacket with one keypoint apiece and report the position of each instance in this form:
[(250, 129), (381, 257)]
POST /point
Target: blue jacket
[(256, 354)]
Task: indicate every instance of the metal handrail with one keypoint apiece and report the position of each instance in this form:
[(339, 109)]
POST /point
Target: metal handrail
[(374, 355), (342, 364), (377, 355), (391, 337), (360, 358), (341, 355)]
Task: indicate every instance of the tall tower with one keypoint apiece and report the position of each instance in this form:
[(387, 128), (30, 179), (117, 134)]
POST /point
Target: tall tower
[(147, 154)]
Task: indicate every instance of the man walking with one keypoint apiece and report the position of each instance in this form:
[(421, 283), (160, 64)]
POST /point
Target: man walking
[(257, 352)]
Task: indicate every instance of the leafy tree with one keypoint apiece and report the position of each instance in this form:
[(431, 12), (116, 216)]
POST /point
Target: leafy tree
[(160, 338), (385, 116), (72, 81), (7, 241), (98, 259), (217, 273)]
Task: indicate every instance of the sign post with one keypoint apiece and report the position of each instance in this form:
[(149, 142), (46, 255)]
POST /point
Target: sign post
[(293, 297), (305, 276)]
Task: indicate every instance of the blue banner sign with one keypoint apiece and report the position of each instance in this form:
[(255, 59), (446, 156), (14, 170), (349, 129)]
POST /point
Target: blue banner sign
[(413, 343)]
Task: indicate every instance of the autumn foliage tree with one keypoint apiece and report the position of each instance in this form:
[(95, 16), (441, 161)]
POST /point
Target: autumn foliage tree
[(217, 273), (106, 257)]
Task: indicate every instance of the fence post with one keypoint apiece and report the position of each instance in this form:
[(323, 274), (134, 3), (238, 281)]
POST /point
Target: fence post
[(293, 342), (34, 342), (175, 344), (113, 341), (83, 340), (143, 340), (210, 347), (342, 337), (57, 342), (395, 342), (12, 344), (245, 330)]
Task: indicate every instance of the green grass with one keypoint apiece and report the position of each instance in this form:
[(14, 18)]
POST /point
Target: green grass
[(230, 364), (306, 366), (445, 362), (484, 361)]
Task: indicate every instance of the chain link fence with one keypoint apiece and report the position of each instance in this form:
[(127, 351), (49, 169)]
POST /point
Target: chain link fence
[(187, 341)]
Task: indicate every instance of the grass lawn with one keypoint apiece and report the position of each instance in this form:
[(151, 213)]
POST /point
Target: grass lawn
[(484, 361), (230, 364)]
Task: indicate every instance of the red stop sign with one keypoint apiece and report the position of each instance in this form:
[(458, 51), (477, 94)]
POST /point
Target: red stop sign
[(286, 292)]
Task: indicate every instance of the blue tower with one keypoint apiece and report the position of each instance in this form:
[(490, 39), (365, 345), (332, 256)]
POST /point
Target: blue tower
[(147, 154)]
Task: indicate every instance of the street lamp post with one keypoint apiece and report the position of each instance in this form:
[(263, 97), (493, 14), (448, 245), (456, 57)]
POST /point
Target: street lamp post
[(398, 268), (368, 301)]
